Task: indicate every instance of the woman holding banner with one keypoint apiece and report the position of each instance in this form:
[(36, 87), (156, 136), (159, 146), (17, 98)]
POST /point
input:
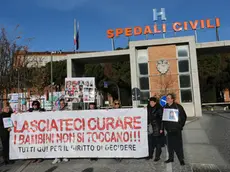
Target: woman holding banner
[(36, 107), (93, 106), (174, 118), (63, 107), (156, 135), (117, 105), (5, 134)]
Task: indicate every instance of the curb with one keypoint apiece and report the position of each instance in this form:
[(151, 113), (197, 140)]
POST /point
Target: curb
[(193, 120)]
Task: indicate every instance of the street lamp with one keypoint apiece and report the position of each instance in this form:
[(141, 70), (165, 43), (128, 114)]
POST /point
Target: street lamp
[(51, 78)]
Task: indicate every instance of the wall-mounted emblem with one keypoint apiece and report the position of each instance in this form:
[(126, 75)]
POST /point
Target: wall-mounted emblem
[(163, 66)]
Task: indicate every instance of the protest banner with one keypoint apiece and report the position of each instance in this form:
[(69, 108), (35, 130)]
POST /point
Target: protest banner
[(71, 134), (80, 89), (170, 115)]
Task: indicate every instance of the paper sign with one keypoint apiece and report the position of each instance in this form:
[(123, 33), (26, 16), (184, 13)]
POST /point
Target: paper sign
[(170, 115), (7, 122)]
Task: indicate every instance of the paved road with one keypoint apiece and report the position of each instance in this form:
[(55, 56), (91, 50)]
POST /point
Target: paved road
[(217, 127)]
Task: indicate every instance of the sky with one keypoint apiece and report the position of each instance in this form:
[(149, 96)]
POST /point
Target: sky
[(47, 25)]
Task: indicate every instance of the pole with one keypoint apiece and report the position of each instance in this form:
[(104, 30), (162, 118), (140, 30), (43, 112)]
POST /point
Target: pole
[(112, 42), (18, 91), (51, 79), (217, 34), (118, 92), (195, 36)]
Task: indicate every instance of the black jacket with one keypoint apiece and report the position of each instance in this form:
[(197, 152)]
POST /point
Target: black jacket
[(182, 117), (4, 131), (155, 118), (38, 110)]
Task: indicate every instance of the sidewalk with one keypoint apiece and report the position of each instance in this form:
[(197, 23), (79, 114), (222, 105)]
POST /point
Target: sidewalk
[(199, 150)]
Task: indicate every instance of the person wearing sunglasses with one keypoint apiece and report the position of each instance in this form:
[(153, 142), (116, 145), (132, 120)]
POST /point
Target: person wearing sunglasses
[(36, 107), (117, 105)]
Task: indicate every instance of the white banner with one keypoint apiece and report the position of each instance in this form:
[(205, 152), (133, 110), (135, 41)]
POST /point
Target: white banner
[(72, 134)]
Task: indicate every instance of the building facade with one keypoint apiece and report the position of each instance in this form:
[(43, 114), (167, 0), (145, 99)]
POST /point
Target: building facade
[(157, 67)]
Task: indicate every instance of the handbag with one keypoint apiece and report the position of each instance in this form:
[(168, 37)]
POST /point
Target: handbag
[(150, 129)]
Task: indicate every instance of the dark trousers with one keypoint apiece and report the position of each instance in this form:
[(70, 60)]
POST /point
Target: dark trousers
[(5, 146), (175, 143), (154, 143)]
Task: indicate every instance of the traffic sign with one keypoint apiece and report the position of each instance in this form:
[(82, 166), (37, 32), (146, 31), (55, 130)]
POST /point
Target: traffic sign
[(163, 101), (105, 84)]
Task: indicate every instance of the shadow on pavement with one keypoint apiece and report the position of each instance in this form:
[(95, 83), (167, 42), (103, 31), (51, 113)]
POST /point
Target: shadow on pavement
[(51, 169), (88, 170), (4, 170)]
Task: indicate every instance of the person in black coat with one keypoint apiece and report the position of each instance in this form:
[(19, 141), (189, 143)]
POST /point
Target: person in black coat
[(155, 136), (36, 107), (5, 134), (174, 130)]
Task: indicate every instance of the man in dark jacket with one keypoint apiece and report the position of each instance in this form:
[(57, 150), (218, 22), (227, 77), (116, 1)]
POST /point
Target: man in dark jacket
[(155, 112), (174, 130), (5, 134)]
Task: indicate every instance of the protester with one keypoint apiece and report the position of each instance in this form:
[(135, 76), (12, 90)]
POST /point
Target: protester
[(5, 134), (174, 130), (36, 107), (117, 105), (63, 107), (92, 106), (156, 135)]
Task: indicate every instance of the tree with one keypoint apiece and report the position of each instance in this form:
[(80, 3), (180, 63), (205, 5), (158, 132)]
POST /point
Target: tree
[(118, 73), (8, 51), (59, 73), (214, 73)]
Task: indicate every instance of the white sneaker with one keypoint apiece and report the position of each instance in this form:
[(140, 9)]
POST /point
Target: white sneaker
[(56, 161), (65, 160)]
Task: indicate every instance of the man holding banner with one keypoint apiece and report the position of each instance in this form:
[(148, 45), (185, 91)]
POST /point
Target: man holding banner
[(174, 118)]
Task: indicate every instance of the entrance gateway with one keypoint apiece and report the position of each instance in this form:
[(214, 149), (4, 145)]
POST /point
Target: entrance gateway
[(157, 66), (181, 76)]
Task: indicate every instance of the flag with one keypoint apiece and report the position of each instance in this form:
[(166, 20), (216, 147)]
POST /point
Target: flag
[(76, 35)]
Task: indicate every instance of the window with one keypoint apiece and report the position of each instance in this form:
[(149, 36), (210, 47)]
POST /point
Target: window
[(143, 75), (143, 68), (184, 74), (185, 81), (144, 83), (186, 96), (144, 97), (182, 51), (183, 66)]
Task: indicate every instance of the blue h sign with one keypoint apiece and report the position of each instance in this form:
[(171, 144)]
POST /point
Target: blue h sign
[(159, 14)]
